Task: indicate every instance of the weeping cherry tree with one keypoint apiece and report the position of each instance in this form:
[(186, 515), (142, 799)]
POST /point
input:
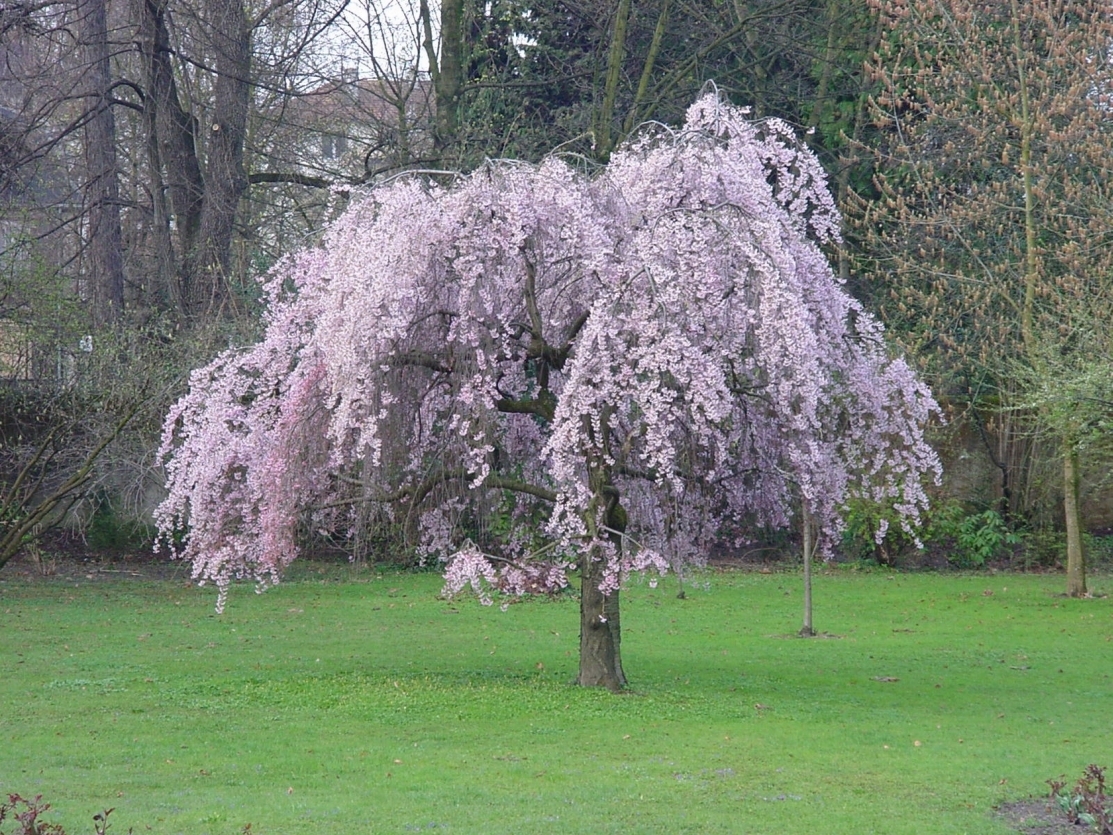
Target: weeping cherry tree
[(618, 365)]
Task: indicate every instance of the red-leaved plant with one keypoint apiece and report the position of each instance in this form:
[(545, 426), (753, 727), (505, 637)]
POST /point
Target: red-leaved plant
[(27, 814)]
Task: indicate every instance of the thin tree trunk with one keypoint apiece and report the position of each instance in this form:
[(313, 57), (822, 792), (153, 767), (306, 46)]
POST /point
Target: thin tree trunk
[(1076, 569), (807, 630), (827, 67), (1076, 555), (1031, 232)]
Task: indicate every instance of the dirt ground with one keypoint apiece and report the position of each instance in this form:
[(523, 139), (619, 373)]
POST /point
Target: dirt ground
[(66, 556), (1039, 816)]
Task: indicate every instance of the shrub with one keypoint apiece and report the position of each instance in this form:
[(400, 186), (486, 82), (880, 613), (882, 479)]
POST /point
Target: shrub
[(967, 538), (975, 538), (1087, 803)]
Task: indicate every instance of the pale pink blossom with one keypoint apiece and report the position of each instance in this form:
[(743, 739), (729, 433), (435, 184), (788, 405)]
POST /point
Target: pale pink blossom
[(527, 341)]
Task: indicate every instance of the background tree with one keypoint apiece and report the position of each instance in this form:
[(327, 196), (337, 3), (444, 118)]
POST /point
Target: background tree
[(620, 368), (95, 261), (129, 125), (105, 235), (176, 215), (993, 231), (525, 77), (196, 152)]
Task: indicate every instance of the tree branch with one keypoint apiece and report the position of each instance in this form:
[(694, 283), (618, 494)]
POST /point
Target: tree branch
[(292, 177), (544, 405)]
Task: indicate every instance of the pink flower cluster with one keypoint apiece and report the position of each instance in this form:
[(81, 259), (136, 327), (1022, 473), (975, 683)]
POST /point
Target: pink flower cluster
[(502, 361)]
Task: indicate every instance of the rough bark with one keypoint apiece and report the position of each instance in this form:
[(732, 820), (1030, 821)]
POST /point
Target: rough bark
[(600, 632), (205, 277), (105, 238), (600, 621)]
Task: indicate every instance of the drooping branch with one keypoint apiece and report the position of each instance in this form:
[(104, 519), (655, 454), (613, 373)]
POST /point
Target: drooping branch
[(611, 378), (415, 494), (514, 485)]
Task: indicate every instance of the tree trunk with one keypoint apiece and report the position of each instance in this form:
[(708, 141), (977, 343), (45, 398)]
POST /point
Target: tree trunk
[(204, 205), (600, 632), (600, 623), (1076, 556), (160, 289), (632, 116), (106, 261), (174, 128), (207, 266), (604, 129), (446, 69), (1031, 230), (807, 630)]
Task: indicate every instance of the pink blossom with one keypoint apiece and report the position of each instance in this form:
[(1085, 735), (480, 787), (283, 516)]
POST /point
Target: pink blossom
[(530, 343)]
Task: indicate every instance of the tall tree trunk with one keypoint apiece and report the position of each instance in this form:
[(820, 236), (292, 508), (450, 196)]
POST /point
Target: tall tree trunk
[(175, 131), (203, 205), (172, 144), (1076, 555), (446, 70), (207, 265), (632, 116), (105, 247), (1031, 230), (160, 289), (604, 129), (1076, 569)]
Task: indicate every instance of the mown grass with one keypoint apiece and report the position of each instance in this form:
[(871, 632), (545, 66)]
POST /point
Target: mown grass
[(333, 705)]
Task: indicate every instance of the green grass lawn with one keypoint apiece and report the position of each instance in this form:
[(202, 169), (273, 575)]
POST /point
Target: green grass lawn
[(332, 705)]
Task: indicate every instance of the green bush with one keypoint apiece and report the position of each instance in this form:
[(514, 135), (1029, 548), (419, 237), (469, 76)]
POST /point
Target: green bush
[(975, 538), (966, 538)]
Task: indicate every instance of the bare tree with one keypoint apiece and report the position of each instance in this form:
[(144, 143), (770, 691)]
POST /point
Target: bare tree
[(105, 237)]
